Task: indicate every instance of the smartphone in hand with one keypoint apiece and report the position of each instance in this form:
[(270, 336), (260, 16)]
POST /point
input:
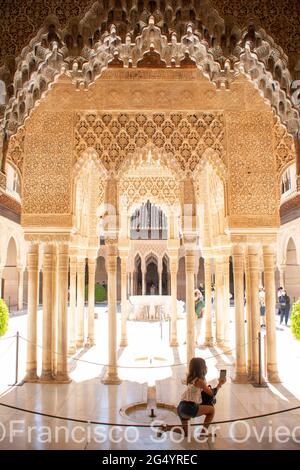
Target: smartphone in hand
[(223, 374)]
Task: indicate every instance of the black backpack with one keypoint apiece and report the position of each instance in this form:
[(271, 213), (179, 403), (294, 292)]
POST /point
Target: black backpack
[(208, 399)]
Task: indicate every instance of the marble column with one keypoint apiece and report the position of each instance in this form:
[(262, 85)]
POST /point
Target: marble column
[(47, 371), (173, 272), (208, 318), (219, 301), (112, 372), (255, 311), (62, 331), (80, 301), (159, 282), (248, 316), (143, 282), (91, 301), (270, 300), (72, 322), (130, 290), (54, 310), (190, 304), (20, 287), (282, 275), (238, 274), (226, 305), (33, 286), (123, 342)]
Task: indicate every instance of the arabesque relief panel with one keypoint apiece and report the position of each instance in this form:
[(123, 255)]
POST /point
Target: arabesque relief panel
[(247, 141), (253, 186), (48, 165)]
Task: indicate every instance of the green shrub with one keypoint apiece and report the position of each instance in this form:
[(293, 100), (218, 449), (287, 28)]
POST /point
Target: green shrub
[(100, 293), (295, 319), (4, 316)]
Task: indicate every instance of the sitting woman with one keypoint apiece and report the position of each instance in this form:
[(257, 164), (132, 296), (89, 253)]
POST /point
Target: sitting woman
[(190, 405)]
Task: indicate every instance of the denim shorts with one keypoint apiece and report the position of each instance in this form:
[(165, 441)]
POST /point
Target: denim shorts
[(187, 409)]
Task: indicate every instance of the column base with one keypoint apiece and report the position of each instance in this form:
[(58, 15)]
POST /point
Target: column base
[(209, 342), (241, 378), (47, 377), (227, 348), (123, 343), (220, 343), (111, 379), (90, 343), (79, 344), (254, 380), (31, 376), (72, 350), (273, 377), (62, 378), (174, 343)]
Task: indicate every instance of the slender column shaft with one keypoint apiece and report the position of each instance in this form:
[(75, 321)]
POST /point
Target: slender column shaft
[(270, 299), (238, 273), (190, 304), (174, 268), (33, 282), (248, 316), (62, 334), (123, 342), (208, 318), (255, 318), (159, 282), (54, 310), (47, 313), (219, 300), (20, 288), (226, 305), (112, 372), (91, 301), (80, 301), (72, 336), (282, 276), (143, 283)]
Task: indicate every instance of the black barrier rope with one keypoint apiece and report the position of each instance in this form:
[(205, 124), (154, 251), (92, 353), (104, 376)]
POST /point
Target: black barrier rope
[(138, 425), (7, 337), (134, 367)]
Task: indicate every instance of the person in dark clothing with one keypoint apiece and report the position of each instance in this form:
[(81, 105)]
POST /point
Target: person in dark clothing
[(282, 302), (285, 311)]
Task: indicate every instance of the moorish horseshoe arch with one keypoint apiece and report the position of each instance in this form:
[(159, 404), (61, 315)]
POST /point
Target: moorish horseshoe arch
[(253, 53), (232, 129)]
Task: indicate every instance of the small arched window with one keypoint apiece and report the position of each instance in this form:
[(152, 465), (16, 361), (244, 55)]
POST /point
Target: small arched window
[(288, 180), (13, 183)]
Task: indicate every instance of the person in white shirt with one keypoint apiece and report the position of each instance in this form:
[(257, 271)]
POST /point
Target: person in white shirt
[(190, 404)]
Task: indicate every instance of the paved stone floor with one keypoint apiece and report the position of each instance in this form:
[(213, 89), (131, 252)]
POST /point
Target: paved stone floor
[(87, 399)]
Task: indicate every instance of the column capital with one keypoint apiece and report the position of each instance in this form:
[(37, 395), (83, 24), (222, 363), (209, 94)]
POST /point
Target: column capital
[(92, 261), (238, 249), (173, 264), (111, 262), (80, 263), (269, 250), (190, 261)]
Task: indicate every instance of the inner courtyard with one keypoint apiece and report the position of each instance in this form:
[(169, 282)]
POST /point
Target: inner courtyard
[(145, 162)]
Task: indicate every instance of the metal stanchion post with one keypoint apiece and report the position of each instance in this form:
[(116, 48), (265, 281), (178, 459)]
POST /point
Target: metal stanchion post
[(17, 356), (17, 361), (261, 382)]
